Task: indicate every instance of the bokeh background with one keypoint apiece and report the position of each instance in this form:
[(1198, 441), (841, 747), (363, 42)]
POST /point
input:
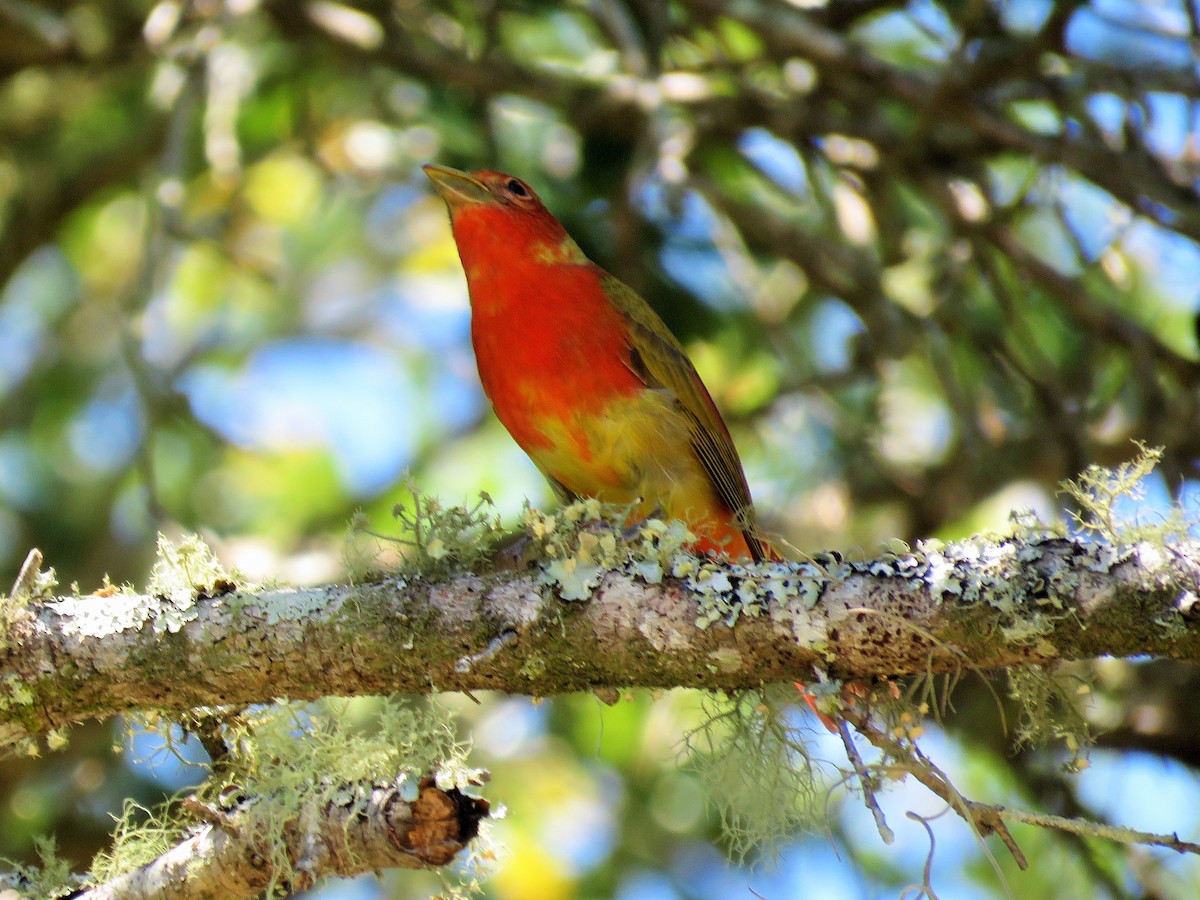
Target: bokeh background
[(930, 258)]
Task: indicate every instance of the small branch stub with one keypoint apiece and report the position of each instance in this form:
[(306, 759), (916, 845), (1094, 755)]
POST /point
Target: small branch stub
[(375, 830)]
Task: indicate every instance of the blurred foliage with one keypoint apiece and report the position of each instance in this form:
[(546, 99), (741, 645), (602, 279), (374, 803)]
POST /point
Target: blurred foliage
[(931, 259)]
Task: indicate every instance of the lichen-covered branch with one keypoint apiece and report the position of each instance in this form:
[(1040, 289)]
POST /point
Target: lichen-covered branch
[(710, 625), (369, 828)]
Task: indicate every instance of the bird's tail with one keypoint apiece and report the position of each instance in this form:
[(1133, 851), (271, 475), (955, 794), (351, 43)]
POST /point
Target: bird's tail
[(766, 551)]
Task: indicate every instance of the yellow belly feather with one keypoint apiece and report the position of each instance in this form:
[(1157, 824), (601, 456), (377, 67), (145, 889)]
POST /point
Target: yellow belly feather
[(637, 450)]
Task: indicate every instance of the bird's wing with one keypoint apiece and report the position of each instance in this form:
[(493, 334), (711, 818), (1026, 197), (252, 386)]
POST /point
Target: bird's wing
[(659, 360)]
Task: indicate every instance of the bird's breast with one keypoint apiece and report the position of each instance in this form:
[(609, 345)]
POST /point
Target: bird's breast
[(549, 346)]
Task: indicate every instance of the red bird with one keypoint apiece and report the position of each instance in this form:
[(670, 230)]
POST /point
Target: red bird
[(585, 375)]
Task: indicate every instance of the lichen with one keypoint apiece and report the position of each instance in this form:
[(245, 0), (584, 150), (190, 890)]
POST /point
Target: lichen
[(755, 770), (90, 617), (183, 573), (57, 738), (20, 710), (1101, 496), (532, 667), (14, 692), (433, 539), (1049, 711), (50, 879), (294, 606), (584, 541)]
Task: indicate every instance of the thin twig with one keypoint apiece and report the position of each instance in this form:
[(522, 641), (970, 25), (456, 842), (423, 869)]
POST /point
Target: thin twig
[(867, 782)]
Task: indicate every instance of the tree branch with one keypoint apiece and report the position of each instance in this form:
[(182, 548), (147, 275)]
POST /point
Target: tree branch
[(368, 829), (974, 604)]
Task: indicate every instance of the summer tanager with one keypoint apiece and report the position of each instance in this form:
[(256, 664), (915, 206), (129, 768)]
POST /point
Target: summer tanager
[(584, 374)]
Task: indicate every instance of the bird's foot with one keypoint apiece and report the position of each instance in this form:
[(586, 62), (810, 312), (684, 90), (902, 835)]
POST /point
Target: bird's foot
[(513, 552), (633, 530)]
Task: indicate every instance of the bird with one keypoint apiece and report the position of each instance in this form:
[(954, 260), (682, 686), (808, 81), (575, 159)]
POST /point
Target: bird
[(585, 375)]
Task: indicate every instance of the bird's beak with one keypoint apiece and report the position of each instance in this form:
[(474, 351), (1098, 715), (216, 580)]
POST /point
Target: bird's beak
[(457, 188)]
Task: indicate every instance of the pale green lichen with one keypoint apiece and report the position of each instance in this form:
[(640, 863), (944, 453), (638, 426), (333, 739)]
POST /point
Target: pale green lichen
[(727, 659), (1100, 494), (14, 691), (533, 667), (1026, 629), (755, 770), (1107, 507), (57, 738), (434, 539), (141, 835), (1049, 711), (85, 617), (294, 606), (280, 761), (184, 572), (50, 879), (586, 540), (20, 708), (1006, 573)]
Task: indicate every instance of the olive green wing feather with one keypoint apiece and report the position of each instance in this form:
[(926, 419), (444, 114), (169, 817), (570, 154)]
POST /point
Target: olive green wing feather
[(660, 361), (560, 490)]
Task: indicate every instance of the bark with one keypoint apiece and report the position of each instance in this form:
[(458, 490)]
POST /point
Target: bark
[(974, 604)]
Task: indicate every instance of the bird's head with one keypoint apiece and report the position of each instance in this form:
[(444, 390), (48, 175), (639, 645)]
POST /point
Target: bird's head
[(498, 220)]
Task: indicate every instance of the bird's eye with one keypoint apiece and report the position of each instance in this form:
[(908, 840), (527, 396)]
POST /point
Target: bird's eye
[(515, 188)]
